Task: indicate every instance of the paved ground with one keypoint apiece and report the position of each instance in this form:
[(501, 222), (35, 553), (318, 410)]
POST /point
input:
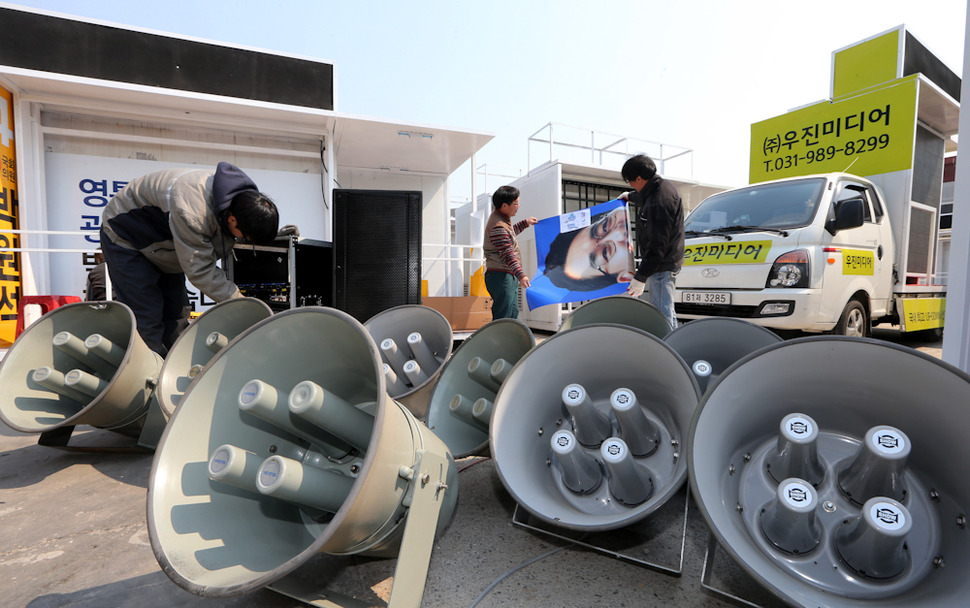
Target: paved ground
[(73, 533), (892, 334)]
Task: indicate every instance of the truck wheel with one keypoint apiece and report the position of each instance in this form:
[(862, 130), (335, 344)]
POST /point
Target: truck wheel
[(853, 322)]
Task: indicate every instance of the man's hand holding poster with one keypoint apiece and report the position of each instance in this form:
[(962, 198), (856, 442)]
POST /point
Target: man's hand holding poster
[(583, 255)]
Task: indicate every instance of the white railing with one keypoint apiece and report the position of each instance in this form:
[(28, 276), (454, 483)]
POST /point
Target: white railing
[(91, 250), (459, 261), (497, 172), (33, 312), (455, 258), (587, 146), (456, 261), (44, 249)]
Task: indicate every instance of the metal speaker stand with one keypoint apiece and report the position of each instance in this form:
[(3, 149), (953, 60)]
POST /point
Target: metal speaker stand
[(656, 542)]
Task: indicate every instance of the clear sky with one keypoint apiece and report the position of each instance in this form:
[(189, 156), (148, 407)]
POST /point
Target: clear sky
[(694, 74)]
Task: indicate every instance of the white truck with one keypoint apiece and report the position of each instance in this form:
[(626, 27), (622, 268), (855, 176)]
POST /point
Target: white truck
[(815, 253)]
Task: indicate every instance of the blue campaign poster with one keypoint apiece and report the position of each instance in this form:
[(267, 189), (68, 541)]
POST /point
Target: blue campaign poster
[(583, 255)]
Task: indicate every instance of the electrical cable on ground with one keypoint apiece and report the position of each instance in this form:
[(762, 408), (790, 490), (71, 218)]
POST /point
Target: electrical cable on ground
[(520, 566), (514, 570), (470, 465)]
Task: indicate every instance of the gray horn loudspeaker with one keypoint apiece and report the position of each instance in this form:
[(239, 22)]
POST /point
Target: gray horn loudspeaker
[(414, 342), (205, 336), (588, 430), (622, 310), (285, 446), (711, 345), (834, 471), (461, 402), (82, 363)]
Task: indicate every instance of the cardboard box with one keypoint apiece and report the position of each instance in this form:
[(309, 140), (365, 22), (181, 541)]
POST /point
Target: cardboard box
[(466, 313)]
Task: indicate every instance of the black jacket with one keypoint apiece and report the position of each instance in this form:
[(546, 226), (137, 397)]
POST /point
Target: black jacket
[(660, 228)]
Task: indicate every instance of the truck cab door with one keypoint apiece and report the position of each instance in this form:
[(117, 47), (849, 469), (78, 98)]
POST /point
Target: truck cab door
[(867, 254)]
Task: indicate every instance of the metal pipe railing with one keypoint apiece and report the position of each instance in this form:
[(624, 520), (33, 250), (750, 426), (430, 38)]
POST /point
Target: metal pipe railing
[(598, 153)]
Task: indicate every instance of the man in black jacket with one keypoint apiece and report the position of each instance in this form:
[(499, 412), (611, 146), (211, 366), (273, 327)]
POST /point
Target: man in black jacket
[(660, 234), (97, 288)]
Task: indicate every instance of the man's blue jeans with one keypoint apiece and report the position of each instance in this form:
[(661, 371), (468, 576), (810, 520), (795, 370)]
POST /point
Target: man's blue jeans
[(157, 299), (661, 294)]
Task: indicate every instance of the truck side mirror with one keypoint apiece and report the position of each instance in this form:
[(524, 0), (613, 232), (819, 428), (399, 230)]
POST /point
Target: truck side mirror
[(848, 214)]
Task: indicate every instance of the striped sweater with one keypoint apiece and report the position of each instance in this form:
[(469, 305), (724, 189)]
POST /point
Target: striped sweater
[(501, 247)]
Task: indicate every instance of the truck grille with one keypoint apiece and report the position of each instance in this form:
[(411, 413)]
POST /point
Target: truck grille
[(709, 310)]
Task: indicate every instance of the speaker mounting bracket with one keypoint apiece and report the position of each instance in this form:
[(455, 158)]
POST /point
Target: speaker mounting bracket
[(413, 560), (725, 579), (59, 437), (309, 594), (653, 535), (428, 485), (154, 425), (56, 438)]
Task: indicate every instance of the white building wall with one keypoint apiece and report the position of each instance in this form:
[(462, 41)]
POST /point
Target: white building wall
[(59, 147)]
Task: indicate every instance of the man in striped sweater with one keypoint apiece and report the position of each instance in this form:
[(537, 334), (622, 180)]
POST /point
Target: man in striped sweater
[(503, 265)]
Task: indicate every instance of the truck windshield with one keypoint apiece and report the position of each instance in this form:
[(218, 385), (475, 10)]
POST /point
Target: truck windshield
[(770, 206)]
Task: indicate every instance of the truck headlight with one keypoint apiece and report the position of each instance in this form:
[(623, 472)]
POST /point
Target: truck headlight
[(789, 270)]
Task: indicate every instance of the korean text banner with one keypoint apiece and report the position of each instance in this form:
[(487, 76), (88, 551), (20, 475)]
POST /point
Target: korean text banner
[(868, 134), (9, 261), (79, 186), (583, 255)]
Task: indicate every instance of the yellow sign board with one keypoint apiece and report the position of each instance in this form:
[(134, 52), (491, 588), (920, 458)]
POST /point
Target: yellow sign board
[(869, 134), (921, 313), (733, 252), (866, 64), (9, 261), (858, 262)]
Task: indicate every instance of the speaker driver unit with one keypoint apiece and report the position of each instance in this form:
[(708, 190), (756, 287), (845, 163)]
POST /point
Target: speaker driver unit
[(833, 470)]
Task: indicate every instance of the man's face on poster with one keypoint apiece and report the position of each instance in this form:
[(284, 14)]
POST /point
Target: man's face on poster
[(601, 249)]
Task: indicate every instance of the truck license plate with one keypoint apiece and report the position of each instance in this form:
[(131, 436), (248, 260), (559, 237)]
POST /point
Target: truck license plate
[(706, 297)]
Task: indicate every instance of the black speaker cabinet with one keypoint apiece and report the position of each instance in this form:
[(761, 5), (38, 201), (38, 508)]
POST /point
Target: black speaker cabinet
[(377, 250)]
